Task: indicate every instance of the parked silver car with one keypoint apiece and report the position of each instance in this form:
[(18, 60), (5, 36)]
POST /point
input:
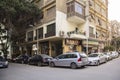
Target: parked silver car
[(96, 58), (71, 59)]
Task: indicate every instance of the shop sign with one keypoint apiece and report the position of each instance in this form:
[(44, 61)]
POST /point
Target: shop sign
[(90, 43), (72, 42)]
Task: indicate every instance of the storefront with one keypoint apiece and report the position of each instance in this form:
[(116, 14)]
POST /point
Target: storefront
[(72, 45), (55, 47), (92, 45)]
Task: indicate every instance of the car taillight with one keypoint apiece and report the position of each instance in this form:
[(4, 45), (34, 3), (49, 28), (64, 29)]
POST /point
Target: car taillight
[(79, 59)]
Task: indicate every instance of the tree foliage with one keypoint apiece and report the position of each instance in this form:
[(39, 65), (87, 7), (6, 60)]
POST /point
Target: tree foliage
[(18, 14), (116, 42), (109, 48)]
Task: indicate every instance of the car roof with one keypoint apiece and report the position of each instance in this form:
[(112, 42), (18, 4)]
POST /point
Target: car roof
[(75, 52)]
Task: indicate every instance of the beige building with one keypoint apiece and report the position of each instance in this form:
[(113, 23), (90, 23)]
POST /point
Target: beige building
[(98, 10), (79, 25)]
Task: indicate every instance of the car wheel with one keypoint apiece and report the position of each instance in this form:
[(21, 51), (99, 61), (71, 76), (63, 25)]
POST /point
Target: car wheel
[(22, 62), (73, 65), (106, 60), (39, 64), (29, 63), (52, 64), (98, 63)]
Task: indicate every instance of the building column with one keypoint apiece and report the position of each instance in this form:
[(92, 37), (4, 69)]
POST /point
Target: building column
[(50, 54)]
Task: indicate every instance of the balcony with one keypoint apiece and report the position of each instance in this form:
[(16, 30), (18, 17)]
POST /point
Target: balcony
[(40, 36), (91, 35), (75, 12), (50, 34), (80, 1), (49, 2), (30, 39)]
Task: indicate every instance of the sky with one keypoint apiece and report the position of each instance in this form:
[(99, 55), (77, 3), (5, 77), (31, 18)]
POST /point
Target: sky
[(114, 10)]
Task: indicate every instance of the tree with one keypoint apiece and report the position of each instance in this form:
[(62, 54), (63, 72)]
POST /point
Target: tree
[(116, 43), (109, 48), (4, 40), (17, 15)]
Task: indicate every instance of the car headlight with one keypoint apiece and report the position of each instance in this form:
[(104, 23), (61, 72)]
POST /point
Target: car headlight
[(6, 62)]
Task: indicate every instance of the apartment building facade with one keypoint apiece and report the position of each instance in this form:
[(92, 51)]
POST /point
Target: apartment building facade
[(98, 10), (68, 25)]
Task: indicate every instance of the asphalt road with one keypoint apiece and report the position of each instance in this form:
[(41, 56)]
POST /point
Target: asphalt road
[(107, 71)]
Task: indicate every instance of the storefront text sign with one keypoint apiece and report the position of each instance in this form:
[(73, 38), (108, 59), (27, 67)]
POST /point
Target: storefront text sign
[(71, 42)]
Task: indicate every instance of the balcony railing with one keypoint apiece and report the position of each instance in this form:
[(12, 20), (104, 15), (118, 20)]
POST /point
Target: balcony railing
[(49, 34), (80, 1), (49, 1), (91, 35), (40, 36), (30, 39)]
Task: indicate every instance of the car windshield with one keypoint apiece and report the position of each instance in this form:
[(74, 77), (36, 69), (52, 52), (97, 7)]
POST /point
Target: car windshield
[(105, 53), (83, 55), (45, 56), (1, 58), (93, 55)]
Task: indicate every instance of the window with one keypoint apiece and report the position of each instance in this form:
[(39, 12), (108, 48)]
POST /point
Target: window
[(51, 11), (78, 8), (51, 28), (103, 12), (73, 56), (93, 55), (104, 1), (97, 8), (99, 22), (91, 30), (61, 57), (40, 33), (30, 36)]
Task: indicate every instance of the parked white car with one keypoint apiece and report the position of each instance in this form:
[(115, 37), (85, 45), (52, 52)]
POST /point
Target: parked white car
[(115, 54), (96, 58), (71, 59), (108, 55)]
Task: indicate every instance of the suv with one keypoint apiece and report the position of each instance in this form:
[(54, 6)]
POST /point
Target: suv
[(70, 59)]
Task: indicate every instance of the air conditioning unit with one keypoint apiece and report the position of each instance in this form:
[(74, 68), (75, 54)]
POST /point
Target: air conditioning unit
[(61, 33)]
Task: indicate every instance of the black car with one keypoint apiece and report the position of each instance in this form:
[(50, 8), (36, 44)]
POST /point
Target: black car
[(3, 63), (39, 59), (23, 58)]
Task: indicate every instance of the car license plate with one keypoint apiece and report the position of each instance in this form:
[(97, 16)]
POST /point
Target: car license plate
[(1, 65)]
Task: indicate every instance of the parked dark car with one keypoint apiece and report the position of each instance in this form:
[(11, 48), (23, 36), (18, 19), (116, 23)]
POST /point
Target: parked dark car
[(39, 59), (3, 63), (23, 58)]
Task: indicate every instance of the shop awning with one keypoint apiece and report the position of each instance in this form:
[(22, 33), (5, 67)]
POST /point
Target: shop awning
[(78, 36)]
